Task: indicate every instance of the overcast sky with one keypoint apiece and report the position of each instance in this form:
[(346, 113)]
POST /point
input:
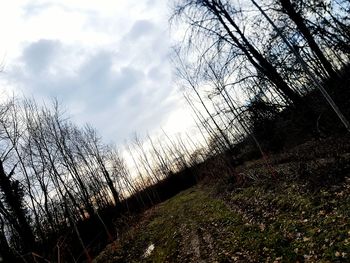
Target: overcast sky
[(106, 61)]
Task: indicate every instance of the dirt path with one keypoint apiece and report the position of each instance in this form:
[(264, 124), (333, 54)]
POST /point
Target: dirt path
[(183, 229), (254, 224)]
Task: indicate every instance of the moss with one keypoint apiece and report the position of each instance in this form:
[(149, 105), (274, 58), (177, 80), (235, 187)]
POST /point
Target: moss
[(260, 224)]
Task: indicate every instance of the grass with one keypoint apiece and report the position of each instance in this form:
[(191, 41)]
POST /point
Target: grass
[(295, 225), (258, 223), (179, 229)]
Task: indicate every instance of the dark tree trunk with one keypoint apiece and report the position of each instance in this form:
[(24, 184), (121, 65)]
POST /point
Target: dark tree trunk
[(13, 199), (5, 252), (253, 55), (300, 23)]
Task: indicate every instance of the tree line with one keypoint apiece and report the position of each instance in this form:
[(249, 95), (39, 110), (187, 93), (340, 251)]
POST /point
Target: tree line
[(54, 174), (250, 70), (243, 63)]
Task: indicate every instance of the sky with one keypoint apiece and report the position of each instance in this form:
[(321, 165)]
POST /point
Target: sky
[(107, 62)]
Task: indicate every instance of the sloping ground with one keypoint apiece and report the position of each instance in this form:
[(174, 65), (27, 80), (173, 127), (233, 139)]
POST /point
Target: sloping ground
[(289, 207), (258, 223)]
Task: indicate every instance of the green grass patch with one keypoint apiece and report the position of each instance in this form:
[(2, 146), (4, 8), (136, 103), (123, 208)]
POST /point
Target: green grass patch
[(254, 224)]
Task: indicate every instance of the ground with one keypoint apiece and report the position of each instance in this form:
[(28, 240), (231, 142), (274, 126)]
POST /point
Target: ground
[(292, 207), (194, 226)]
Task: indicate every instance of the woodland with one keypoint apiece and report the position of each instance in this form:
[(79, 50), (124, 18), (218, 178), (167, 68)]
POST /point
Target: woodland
[(261, 78)]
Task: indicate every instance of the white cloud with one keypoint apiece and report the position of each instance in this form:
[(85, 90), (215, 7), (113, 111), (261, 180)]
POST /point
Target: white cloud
[(107, 61)]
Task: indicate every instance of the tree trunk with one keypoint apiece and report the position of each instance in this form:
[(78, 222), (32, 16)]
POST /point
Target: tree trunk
[(14, 201), (300, 23), (254, 56)]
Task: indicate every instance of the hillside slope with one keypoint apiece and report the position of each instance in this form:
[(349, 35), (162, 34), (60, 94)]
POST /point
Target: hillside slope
[(258, 223)]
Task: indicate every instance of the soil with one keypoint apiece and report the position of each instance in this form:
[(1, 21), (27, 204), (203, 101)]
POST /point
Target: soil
[(291, 207)]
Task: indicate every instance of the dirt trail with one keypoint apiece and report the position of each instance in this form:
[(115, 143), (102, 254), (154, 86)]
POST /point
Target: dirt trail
[(303, 215)]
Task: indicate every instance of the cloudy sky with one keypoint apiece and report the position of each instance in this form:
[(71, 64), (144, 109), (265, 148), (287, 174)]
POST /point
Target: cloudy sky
[(106, 61)]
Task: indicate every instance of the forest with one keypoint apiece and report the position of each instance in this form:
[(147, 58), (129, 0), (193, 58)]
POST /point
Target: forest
[(260, 78)]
